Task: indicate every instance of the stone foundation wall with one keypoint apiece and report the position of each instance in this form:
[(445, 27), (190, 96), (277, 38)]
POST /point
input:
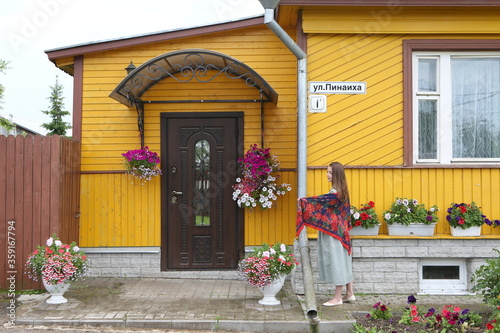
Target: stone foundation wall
[(386, 266), (141, 262)]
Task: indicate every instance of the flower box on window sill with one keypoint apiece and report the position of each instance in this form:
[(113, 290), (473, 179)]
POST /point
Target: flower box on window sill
[(361, 231), (413, 229), (473, 231)]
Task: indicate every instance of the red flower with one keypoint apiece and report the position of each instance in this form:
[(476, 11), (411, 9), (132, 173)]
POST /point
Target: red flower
[(371, 204), (365, 216), (489, 326), (358, 222), (463, 209)]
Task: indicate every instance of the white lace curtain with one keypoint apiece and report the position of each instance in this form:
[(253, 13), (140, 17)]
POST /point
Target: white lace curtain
[(476, 107)]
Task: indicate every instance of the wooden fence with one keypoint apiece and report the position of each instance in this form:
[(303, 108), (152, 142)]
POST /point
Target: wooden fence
[(39, 196)]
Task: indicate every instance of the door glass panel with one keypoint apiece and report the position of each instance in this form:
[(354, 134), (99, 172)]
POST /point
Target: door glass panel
[(201, 199)]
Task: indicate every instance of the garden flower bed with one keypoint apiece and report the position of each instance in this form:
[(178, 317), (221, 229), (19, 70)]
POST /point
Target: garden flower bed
[(413, 318)]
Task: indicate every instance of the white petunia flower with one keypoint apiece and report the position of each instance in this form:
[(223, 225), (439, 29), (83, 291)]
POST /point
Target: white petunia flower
[(50, 241)]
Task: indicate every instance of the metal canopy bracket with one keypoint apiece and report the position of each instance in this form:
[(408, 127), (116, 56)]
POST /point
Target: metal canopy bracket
[(185, 66)]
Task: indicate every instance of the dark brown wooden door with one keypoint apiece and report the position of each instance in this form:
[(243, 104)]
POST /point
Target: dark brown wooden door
[(201, 224)]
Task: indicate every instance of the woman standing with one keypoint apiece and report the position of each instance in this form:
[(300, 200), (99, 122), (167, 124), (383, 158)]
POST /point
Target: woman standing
[(330, 214)]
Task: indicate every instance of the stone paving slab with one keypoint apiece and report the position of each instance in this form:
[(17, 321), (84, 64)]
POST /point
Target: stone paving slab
[(204, 304)]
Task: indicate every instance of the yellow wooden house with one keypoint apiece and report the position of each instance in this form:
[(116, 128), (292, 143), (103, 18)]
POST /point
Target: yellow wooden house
[(404, 94)]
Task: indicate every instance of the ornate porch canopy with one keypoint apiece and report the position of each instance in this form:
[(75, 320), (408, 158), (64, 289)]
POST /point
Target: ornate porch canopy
[(186, 66)]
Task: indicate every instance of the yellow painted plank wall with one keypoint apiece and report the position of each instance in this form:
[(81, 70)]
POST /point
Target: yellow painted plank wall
[(364, 129), (398, 19), (117, 213), (116, 210), (367, 130), (439, 187)]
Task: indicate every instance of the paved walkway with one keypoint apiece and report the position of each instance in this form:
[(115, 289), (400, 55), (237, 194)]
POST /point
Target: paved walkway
[(202, 304)]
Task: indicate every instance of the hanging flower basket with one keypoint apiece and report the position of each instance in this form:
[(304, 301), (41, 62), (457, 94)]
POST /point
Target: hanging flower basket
[(258, 185), (142, 163)]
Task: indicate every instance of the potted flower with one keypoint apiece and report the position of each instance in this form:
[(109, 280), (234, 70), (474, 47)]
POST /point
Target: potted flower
[(407, 217), (364, 220), (465, 219), (142, 163), (266, 268), (57, 265), (258, 185)]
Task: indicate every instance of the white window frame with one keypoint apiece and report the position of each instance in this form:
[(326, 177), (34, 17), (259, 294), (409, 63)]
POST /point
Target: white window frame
[(444, 107), (443, 286)]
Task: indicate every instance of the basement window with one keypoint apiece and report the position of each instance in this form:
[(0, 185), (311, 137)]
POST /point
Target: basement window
[(442, 277)]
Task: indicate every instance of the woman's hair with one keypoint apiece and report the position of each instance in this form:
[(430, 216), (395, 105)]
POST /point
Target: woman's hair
[(339, 182)]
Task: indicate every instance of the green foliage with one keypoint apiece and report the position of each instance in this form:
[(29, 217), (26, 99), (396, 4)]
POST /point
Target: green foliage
[(5, 123), (487, 280), (357, 328), (405, 211), (493, 326), (465, 215), (3, 67), (365, 216), (380, 311), (56, 112)]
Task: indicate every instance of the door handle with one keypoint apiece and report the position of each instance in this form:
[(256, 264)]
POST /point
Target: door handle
[(174, 192)]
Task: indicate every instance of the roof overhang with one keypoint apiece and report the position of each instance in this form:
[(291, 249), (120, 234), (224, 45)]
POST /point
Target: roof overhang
[(188, 66)]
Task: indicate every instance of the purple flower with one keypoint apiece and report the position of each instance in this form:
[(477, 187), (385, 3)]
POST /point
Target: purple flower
[(411, 298), (429, 217), (487, 221)]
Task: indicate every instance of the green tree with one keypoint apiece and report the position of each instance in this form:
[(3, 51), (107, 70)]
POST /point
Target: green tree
[(56, 112), (4, 122)]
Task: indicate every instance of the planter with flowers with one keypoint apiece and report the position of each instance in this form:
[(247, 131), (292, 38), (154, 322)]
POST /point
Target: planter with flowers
[(258, 185), (364, 220), (58, 265), (407, 217), (266, 268), (465, 220), (142, 164)]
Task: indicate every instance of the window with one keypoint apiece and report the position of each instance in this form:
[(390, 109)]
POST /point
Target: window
[(442, 276), (456, 107)]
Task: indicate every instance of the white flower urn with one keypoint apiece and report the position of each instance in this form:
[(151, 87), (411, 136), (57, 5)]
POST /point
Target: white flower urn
[(269, 291), (56, 292)]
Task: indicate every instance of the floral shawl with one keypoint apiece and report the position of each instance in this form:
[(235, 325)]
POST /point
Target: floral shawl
[(327, 214)]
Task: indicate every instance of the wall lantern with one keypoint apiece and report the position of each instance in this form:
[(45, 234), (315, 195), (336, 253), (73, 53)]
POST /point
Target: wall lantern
[(130, 67)]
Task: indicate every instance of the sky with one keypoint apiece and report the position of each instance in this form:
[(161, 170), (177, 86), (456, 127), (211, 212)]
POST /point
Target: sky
[(30, 27)]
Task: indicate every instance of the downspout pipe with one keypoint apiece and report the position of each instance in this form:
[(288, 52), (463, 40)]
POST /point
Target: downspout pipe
[(310, 295)]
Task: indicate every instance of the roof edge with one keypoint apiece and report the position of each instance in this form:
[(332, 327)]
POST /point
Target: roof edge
[(104, 45), (392, 3)]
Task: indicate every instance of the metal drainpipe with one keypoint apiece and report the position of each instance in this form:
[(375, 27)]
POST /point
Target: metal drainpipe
[(310, 295)]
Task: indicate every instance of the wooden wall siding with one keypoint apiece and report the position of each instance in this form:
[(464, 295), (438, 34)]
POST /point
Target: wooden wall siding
[(39, 179), (358, 129), (276, 224), (397, 19), (109, 128), (118, 211), (438, 187)]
